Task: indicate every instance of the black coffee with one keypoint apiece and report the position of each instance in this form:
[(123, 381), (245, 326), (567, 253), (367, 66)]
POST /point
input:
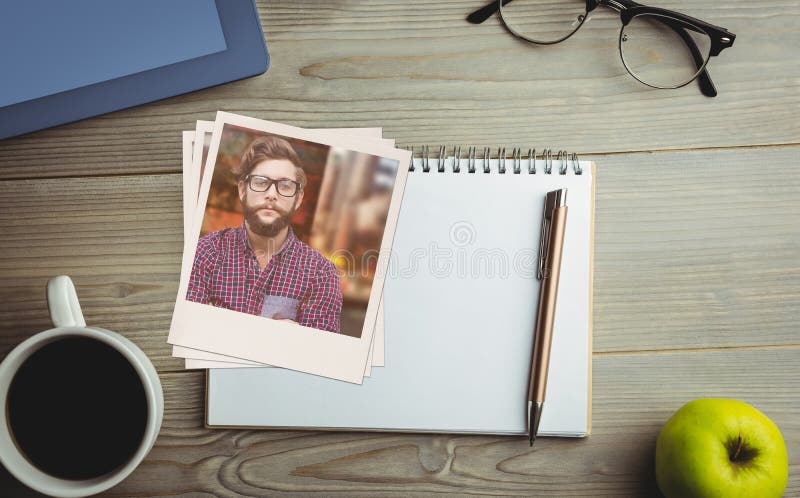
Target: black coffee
[(77, 409)]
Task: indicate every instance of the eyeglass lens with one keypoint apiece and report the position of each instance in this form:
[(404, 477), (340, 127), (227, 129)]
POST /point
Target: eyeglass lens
[(544, 21), (286, 188), (658, 50)]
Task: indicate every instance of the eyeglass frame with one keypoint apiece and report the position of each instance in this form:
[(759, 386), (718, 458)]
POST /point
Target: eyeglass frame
[(297, 185), (720, 37)]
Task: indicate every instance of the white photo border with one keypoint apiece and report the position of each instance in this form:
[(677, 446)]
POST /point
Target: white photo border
[(199, 359), (283, 344)]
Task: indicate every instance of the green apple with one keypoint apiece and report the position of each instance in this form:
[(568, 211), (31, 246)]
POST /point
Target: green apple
[(714, 448)]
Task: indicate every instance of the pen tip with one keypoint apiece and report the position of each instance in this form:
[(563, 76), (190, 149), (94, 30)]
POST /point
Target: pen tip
[(534, 415)]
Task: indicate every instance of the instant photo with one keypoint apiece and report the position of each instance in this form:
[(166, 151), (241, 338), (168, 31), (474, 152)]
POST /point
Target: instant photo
[(289, 247)]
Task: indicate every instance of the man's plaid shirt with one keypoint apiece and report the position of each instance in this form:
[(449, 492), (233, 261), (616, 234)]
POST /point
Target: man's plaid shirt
[(298, 281)]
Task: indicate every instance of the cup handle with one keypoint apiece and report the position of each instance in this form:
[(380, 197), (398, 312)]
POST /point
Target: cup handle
[(65, 310)]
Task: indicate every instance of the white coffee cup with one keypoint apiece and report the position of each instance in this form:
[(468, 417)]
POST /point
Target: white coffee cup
[(67, 317)]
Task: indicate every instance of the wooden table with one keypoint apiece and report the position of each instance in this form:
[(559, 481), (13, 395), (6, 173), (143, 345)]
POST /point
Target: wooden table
[(697, 253)]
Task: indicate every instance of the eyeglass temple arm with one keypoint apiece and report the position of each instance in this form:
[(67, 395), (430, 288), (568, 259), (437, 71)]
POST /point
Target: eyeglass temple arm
[(485, 12)]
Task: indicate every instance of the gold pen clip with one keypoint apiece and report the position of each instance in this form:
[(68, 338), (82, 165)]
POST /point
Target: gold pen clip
[(552, 200), (544, 238)]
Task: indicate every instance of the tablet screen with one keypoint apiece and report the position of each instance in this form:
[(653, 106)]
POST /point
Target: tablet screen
[(51, 46)]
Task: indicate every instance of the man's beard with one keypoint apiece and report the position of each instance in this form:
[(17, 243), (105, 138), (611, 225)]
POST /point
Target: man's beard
[(271, 229)]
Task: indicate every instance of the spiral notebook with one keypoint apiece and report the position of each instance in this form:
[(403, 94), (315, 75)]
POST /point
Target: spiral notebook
[(460, 307)]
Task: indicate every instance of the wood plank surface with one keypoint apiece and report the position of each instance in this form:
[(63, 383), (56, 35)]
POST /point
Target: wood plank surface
[(697, 243), (634, 395), (119, 238), (694, 249), (419, 70)]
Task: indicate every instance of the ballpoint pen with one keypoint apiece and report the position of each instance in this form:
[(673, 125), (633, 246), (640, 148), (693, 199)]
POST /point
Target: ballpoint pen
[(551, 242)]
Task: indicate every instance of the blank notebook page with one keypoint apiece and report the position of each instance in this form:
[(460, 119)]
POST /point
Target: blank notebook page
[(460, 306)]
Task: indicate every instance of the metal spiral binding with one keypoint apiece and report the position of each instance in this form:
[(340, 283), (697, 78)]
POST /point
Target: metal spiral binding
[(410, 161), (563, 157), (532, 161), (547, 155)]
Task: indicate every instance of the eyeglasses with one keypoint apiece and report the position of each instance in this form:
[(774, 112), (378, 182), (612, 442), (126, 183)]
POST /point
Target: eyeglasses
[(284, 186), (660, 48)]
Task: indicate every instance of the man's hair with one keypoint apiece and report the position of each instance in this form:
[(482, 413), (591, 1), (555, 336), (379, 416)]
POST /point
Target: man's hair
[(271, 147)]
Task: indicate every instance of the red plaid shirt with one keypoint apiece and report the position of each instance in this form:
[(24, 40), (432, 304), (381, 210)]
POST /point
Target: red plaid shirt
[(298, 283)]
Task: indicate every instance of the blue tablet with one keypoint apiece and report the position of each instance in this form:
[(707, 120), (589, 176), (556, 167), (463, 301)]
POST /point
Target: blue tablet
[(66, 61)]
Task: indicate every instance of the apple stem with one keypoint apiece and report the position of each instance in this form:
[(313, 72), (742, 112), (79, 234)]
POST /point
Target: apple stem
[(738, 448)]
